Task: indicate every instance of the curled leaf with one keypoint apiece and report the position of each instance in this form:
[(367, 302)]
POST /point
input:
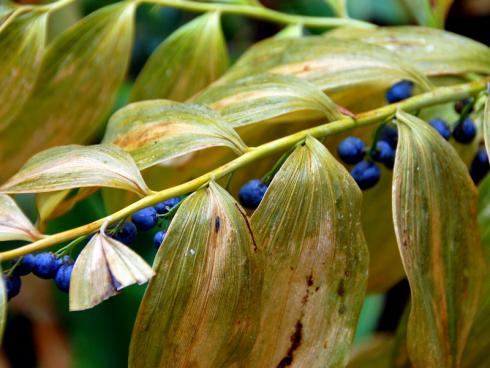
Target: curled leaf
[(76, 86), (103, 268), (74, 166), (158, 130), (308, 229), (14, 225), (263, 97), (328, 63), (187, 61), (21, 47), (432, 51), (202, 307), (434, 212)]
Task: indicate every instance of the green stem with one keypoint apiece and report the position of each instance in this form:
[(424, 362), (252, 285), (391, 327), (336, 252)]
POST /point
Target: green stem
[(263, 13), (435, 97)]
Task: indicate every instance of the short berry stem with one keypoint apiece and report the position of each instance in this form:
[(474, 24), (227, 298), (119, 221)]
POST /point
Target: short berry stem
[(435, 97)]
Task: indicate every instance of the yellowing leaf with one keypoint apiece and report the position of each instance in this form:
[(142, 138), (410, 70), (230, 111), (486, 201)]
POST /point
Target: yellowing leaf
[(308, 229), (263, 97), (21, 47), (103, 268), (78, 80), (73, 166), (14, 225), (190, 59), (329, 63), (155, 131), (432, 51), (486, 125), (434, 211), (202, 308)]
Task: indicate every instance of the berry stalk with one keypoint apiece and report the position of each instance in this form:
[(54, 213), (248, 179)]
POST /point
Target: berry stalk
[(376, 116)]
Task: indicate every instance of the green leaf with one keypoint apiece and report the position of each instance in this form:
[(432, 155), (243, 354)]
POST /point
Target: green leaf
[(202, 307), (78, 81), (6, 10), (267, 97), (434, 212), (486, 125), (291, 31), (189, 60), (432, 51), (14, 225), (158, 130), (430, 13), (103, 268), (308, 229), (21, 47), (74, 166), (329, 63), (339, 7)]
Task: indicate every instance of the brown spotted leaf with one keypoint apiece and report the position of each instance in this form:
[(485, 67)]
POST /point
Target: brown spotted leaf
[(267, 97), (77, 83), (103, 268), (187, 61), (434, 212), (158, 130), (308, 229), (74, 166), (14, 225), (201, 309)]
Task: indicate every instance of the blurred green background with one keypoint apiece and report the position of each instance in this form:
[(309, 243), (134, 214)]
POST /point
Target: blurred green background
[(41, 331)]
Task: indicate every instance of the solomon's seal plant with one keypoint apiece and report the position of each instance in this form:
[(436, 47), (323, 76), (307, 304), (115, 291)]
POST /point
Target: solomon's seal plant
[(278, 191)]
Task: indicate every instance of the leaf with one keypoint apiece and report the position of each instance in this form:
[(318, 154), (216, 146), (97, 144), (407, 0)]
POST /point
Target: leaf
[(201, 309), (339, 7), (264, 97), (14, 225), (328, 63), (374, 353), (432, 51), (434, 212), (74, 166), (308, 229), (78, 81), (3, 307), (103, 268), (430, 13), (21, 47), (189, 60), (486, 125), (155, 131), (291, 31)]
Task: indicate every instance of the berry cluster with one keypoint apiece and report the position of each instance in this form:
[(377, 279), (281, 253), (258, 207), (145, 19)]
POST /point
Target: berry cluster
[(366, 172), (45, 265)]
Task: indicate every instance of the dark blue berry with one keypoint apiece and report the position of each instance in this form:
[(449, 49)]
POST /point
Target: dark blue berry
[(45, 265), (25, 265), (251, 193), (384, 153), (441, 127), (63, 275), (399, 91), (145, 219), (158, 238), (165, 206), (351, 150), (366, 174), (126, 234), (465, 131), (388, 133), (479, 166), (12, 285)]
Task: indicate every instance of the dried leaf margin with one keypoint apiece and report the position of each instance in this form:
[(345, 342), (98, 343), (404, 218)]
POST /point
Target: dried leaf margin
[(103, 268), (75, 166), (202, 307), (258, 98), (158, 130), (308, 229), (434, 212)]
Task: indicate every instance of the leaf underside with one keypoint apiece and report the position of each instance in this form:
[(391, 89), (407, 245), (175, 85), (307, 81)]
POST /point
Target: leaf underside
[(14, 225)]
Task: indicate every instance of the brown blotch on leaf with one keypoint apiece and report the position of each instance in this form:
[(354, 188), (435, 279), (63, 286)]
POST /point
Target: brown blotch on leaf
[(295, 343), (341, 289), (216, 224)]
